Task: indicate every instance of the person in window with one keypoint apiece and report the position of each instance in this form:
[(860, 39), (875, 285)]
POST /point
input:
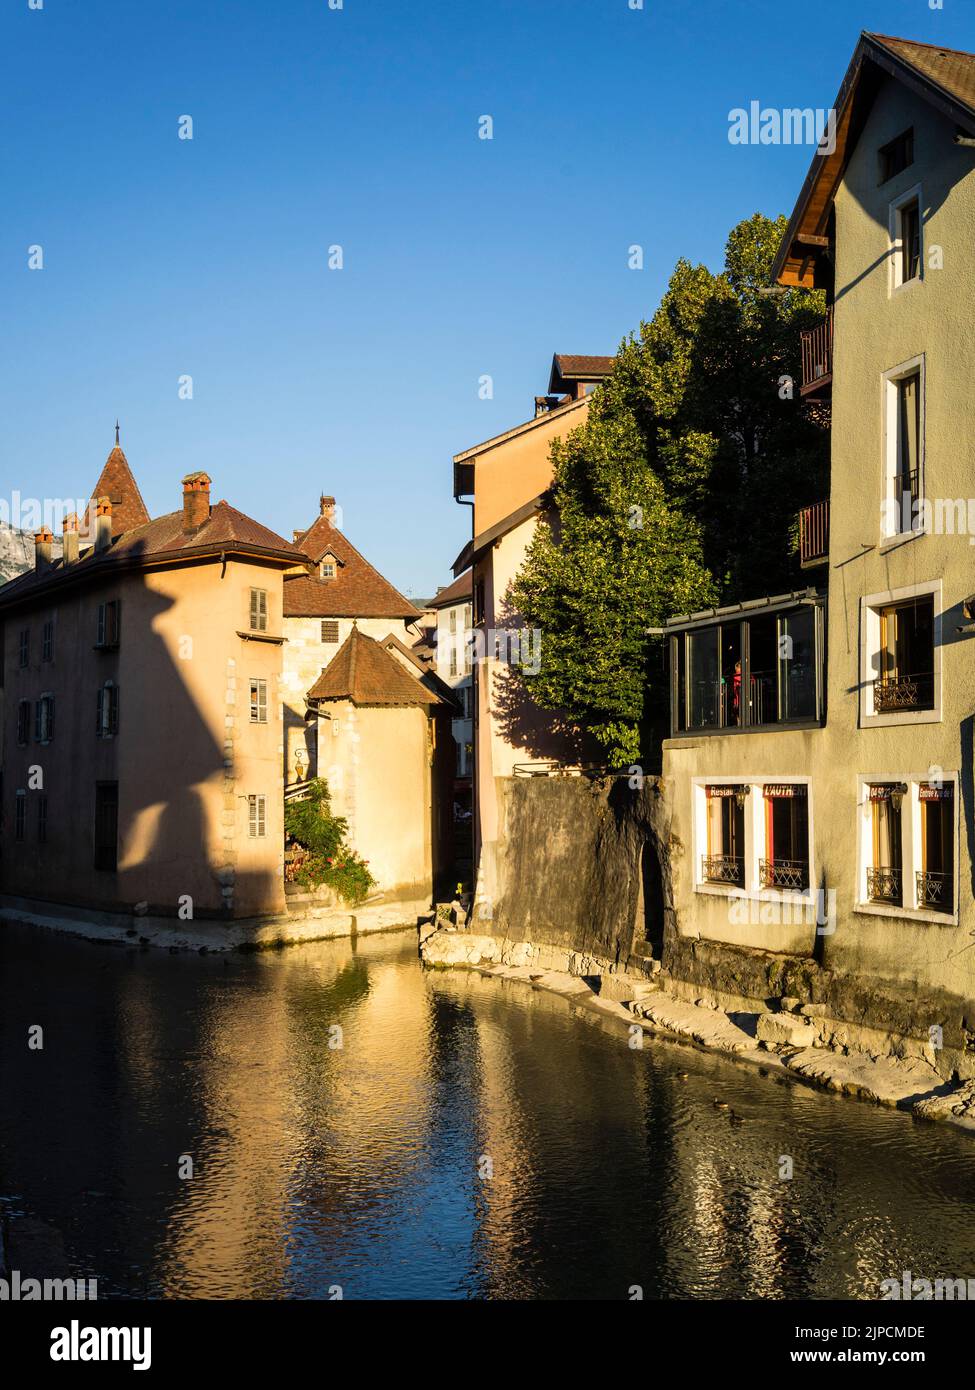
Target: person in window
[(736, 691)]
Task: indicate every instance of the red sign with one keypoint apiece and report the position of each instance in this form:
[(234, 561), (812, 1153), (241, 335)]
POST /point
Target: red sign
[(773, 789), (927, 792), (714, 792)]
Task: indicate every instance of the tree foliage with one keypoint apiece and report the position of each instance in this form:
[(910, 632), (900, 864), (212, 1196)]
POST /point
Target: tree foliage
[(680, 490), (323, 856)]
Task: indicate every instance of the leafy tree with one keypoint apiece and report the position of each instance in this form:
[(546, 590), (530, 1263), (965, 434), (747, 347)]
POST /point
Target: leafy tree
[(326, 858), (680, 490)]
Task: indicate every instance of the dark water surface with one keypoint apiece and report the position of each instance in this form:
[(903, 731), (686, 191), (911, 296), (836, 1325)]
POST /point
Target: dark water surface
[(366, 1166)]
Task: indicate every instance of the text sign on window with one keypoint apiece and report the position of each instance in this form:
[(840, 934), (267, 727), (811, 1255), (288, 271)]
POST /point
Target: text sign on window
[(775, 789), (716, 792), (881, 793), (929, 793)]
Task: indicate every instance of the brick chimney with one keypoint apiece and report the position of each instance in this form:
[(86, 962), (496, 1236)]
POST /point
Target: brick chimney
[(327, 505), (69, 547), (196, 500), (43, 541), (103, 524)]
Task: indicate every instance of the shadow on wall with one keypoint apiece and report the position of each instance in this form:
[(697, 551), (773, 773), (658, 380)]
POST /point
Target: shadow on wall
[(543, 734), (134, 781)]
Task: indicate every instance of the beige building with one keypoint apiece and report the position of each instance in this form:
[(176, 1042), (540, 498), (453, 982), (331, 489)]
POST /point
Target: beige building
[(142, 739), (451, 608), (822, 742), (339, 589), (505, 481), (383, 743)]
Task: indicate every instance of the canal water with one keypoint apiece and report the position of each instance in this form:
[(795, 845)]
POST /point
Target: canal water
[(358, 1122)]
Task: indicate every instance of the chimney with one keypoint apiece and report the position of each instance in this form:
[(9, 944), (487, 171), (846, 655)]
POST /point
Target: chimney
[(103, 524), (69, 547), (43, 540), (327, 505), (196, 500)]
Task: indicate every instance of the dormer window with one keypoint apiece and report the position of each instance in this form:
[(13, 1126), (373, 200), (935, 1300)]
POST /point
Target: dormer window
[(327, 569), (897, 156)]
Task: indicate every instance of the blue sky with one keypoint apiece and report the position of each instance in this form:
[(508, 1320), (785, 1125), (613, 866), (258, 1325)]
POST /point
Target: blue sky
[(358, 127)]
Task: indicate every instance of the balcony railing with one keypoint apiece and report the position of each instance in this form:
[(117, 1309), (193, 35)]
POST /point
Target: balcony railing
[(814, 534), (783, 873), (721, 868), (893, 695), (935, 890), (884, 885), (817, 356)]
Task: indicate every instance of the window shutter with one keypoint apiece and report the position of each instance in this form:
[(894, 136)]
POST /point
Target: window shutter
[(37, 722), (50, 716), (116, 622), (113, 710), (99, 717), (100, 632)]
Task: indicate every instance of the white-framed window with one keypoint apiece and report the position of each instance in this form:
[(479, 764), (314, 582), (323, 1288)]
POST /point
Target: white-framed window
[(256, 816), (906, 239), (907, 844), (258, 700), (326, 568), (106, 710), (900, 656), (754, 836), (904, 432)]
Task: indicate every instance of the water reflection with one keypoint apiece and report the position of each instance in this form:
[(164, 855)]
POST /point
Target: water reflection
[(357, 1122)]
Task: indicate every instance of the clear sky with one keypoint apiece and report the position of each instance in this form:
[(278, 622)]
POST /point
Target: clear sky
[(358, 127)]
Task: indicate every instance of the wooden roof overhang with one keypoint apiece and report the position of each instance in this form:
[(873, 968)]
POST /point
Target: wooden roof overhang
[(804, 256)]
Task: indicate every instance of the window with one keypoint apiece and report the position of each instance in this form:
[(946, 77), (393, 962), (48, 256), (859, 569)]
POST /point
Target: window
[(452, 620), (256, 816), (44, 719), (906, 237), (330, 630), (900, 655), (468, 652), (258, 610), (42, 820), (786, 862), (884, 873), (908, 832), (106, 712), (935, 878), (904, 445), (106, 825), (703, 679), (109, 623), (24, 648), (453, 658), (906, 679), (752, 672), (47, 641), (258, 701), (20, 815), (724, 861), (897, 156), (23, 722), (327, 569), (479, 601)]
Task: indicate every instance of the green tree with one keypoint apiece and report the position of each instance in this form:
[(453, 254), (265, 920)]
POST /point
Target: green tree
[(679, 491), (323, 855)]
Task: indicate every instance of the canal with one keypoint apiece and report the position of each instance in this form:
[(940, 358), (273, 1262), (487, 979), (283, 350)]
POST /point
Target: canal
[(357, 1122)]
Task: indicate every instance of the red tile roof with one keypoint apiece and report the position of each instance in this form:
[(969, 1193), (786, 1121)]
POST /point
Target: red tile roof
[(365, 673), (357, 591), (117, 482), (457, 592), (571, 366), (948, 68)]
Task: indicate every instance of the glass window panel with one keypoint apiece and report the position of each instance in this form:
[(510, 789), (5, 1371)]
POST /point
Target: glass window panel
[(797, 664), (703, 678)]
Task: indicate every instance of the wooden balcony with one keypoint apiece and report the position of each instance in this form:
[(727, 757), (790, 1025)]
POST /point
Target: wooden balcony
[(814, 535), (817, 358)]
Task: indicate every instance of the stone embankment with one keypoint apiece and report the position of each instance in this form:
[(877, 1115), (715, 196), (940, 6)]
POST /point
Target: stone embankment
[(794, 1039)]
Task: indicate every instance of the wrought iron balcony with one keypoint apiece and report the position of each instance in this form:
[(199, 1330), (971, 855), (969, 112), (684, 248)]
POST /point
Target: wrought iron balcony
[(884, 885), (814, 535), (783, 873), (817, 357), (936, 891), (721, 868), (894, 695)]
